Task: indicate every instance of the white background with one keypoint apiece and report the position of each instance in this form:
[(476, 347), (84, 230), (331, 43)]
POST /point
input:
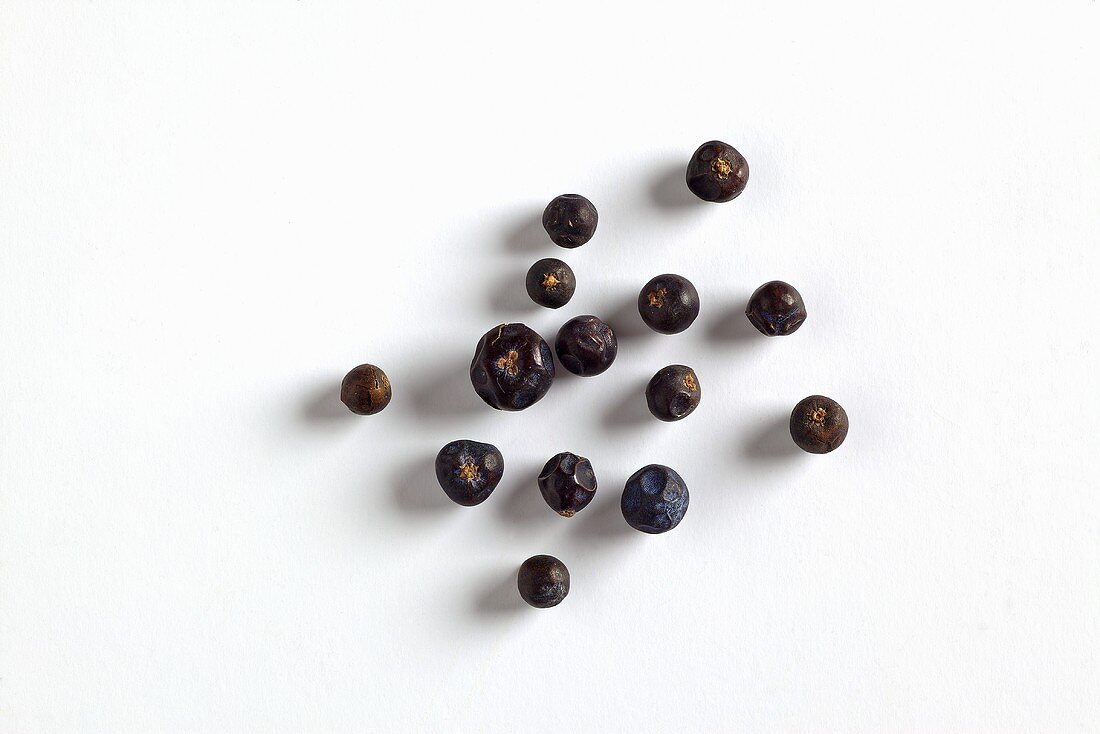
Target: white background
[(210, 211)]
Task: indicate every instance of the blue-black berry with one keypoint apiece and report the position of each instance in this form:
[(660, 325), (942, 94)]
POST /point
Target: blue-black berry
[(655, 499), (512, 367), (469, 471)]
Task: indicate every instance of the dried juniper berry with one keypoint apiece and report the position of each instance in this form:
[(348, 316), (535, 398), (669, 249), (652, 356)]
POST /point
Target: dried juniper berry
[(469, 471), (567, 483), (586, 346), (655, 499), (512, 367), (570, 220), (717, 172), (551, 283), (818, 424), (365, 390), (673, 392), (543, 581), (668, 303), (776, 309)]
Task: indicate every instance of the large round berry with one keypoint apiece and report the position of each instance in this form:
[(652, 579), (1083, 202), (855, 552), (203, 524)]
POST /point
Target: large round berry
[(669, 303), (570, 220), (586, 346), (717, 172), (655, 499), (512, 367)]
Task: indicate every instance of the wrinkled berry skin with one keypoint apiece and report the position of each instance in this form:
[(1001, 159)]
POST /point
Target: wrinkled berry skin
[(776, 309), (551, 283), (543, 581), (673, 392), (512, 367), (668, 304), (586, 346), (469, 471), (365, 390), (570, 220), (818, 424), (655, 499), (717, 172), (567, 483)]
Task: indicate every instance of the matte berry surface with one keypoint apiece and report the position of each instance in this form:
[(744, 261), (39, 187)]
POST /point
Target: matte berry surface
[(570, 220), (586, 346), (717, 172), (673, 393), (469, 471), (543, 581), (365, 390), (818, 424), (551, 283), (776, 309), (567, 483), (655, 499), (669, 303), (512, 367)]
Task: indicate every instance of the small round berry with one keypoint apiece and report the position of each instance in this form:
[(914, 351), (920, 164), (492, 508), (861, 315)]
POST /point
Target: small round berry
[(551, 283), (655, 499), (717, 172), (570, 220), (586, 346), (673, 393), (818, 424), (669, 303), (567, 483), (469, 471), (543, 581), (365, 390), (776, 309)]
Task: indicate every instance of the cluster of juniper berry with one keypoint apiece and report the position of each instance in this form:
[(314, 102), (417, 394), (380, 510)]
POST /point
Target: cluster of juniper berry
[(513, 368)]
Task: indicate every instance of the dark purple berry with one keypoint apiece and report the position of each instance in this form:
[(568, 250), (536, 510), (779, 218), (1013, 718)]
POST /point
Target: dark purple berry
[(567, 483), (469, 471), (717, 172), (586, 346), (673, 393), (668, 303), (570, 220), (543, 581), (818, 424), (365, 390), (512, 367), (551, 283), (776, 309), (655, 499)]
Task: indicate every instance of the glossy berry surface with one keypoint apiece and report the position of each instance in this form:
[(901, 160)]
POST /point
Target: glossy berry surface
[(586, 346), (673, 393), (818, 424), (512, 367), (669, 303), (365, 390), (655, 499), (469, 471), (567, 483), (717, 172), (543, 581), (776, 309), (551, 283), (570, 220)]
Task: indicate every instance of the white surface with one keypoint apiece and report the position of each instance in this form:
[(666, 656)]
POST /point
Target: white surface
[(211, 211)]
